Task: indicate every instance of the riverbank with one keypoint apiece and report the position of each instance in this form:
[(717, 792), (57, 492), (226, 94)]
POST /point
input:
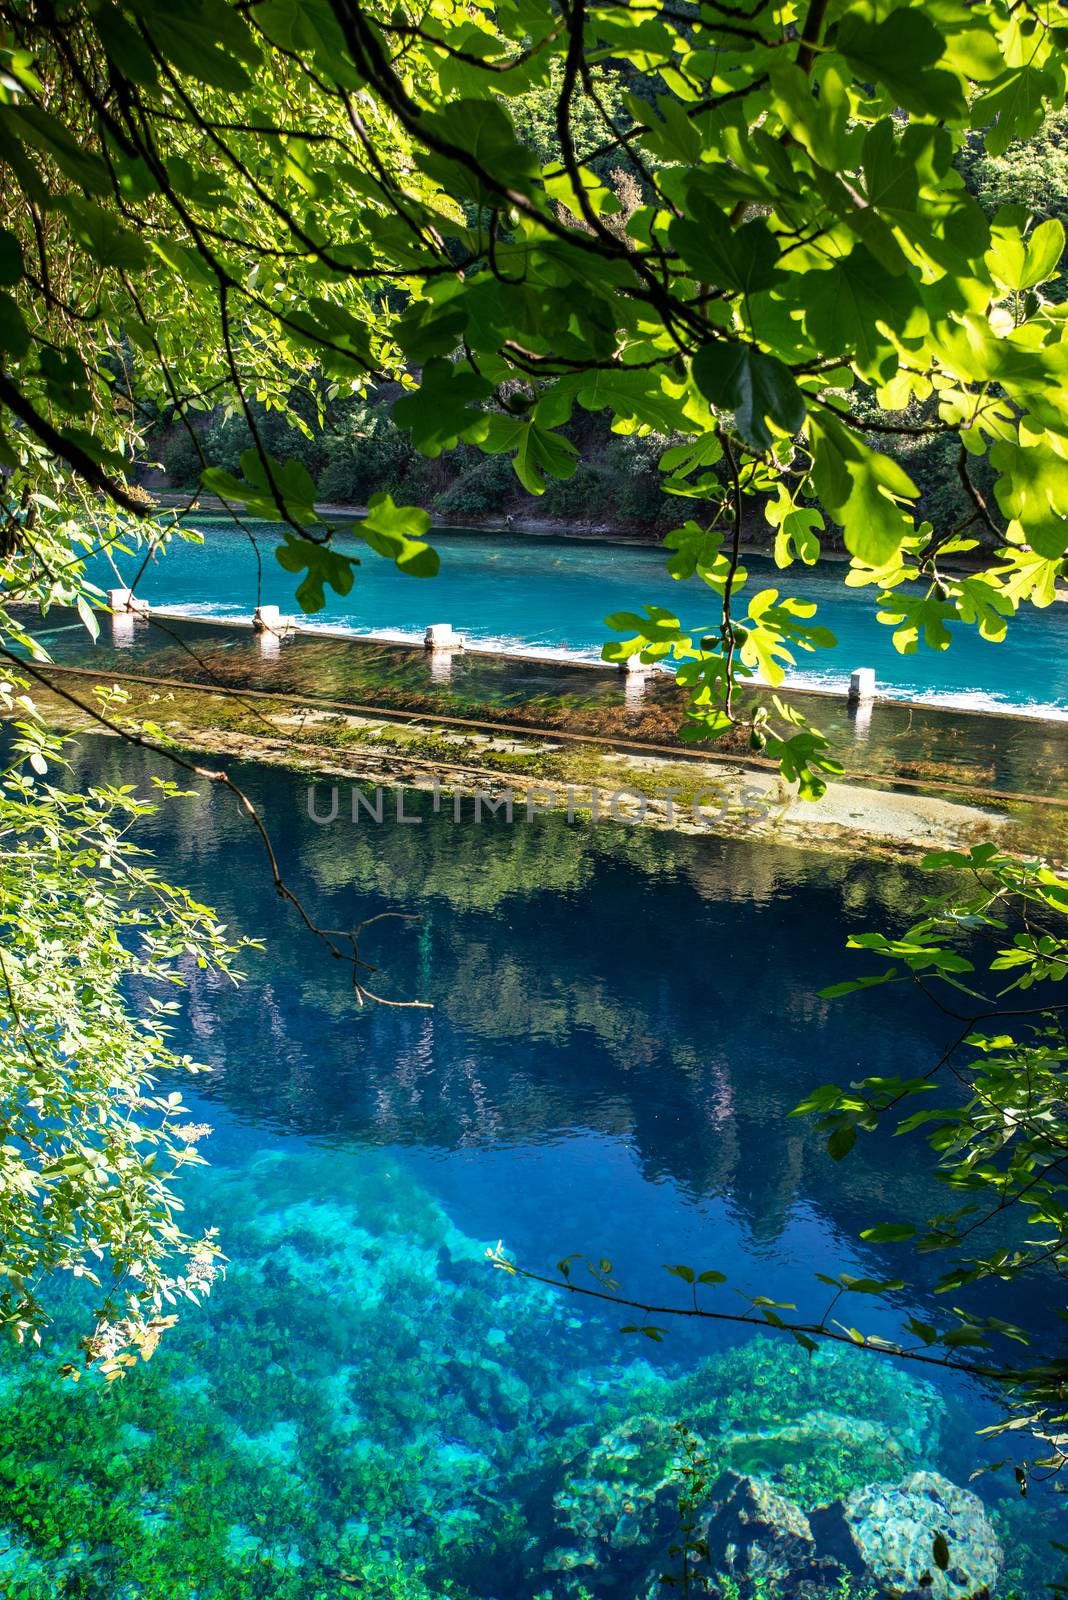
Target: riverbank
[(600, 532), (758, 539)]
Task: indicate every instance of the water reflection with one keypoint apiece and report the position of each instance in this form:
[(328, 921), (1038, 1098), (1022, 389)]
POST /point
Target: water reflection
[(602, 995), (622, 1020)]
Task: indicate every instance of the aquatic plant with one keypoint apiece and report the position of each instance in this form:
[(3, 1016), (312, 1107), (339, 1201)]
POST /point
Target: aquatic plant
[(367, 1407), (819, 1424)]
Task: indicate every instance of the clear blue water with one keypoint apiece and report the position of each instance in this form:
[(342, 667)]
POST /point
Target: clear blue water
[(621, 1022), (553, 593)]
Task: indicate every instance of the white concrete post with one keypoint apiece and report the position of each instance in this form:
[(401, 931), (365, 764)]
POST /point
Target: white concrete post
[(861, 685), (442, 636), (124, 600), (267, 619), (634, 666)]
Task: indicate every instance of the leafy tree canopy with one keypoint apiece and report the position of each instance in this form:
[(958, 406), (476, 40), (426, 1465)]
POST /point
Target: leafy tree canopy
[(207, 200)]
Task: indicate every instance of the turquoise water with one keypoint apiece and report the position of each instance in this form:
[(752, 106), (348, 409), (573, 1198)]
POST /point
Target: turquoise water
[(552, 593), (621, 1021)]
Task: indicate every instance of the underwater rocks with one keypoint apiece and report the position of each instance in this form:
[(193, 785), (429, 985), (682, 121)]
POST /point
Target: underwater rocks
[(755, 1535), (621, 1502), (623, 1532), (815, 1436), (923, 1539)]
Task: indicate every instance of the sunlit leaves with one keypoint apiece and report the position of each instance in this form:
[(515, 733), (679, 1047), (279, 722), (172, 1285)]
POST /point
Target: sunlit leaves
[(397, 533), (743, 258), (797, 530), (535, 451), (861, 488), (1014, 107), (900, 53), (323, 567), (211, 43), (1032, 490), (1020, 261), (848, 306), (95, 1132), (440, 412), (994, 1128), (489, 160), (271, 489), (791, 245), (772, 626)]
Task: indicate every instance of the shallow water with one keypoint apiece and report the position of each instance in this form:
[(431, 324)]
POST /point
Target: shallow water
[(555, 593), (622, 1020), (927, 744)]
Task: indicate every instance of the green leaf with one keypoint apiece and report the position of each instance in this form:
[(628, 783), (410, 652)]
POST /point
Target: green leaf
[(842, 1141), (272, 489), (14, 334), (636, 397), (744, 259), (869, 1285), (535, 450), (11, 263), (102, 236), (687, 1274), (488, 160), (758, 388), (395, 532), (38, 128), (1045, 248), (324, 566), (848, 306), (862, 489), (1015, 107), (439, 412), (208, 42), (899, 52), (88, 616)]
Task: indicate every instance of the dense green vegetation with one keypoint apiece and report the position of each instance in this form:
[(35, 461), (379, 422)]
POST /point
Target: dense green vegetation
[(358, 451)]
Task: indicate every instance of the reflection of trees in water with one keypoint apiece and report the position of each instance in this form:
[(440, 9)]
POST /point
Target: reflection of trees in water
[(659, 989)]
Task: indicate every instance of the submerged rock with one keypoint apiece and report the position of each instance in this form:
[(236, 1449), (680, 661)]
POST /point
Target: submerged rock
[(816, 1436), (619, 1502), (755, 1534), (921, 1539)]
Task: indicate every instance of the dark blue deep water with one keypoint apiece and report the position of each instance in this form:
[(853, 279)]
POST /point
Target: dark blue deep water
[(621, 1022)]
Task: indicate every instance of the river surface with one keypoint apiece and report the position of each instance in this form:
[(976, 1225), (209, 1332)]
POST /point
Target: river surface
[(621, 1021), (510, 590)]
